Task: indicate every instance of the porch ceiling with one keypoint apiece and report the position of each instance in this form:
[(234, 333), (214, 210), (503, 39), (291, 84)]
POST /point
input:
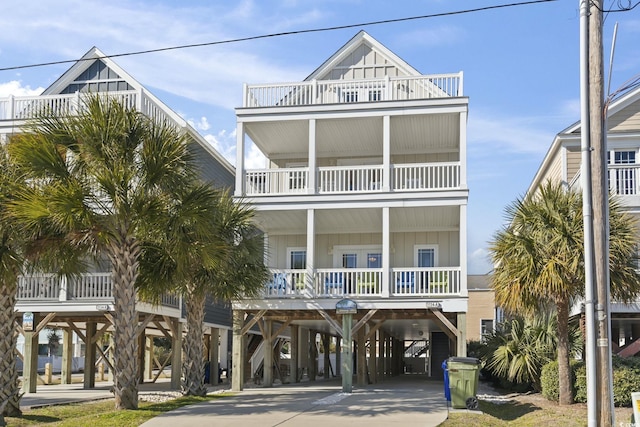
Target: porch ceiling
[(332, 221), (343, 137)]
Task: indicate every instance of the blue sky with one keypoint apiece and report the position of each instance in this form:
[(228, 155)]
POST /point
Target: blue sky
[(520, 66)]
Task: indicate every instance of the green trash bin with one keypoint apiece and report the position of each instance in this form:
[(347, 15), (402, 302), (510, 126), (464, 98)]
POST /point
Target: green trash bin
[(463, 382)]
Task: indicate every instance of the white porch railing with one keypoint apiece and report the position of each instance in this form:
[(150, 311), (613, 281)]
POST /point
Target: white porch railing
[(91, 286), (432, 281), (353, 179), (623, 179), (276, 181), (363, 282), (87, 286), (346, 179), (427, 176), (353, 91), (28, 107), (38, 287), (349, 282)]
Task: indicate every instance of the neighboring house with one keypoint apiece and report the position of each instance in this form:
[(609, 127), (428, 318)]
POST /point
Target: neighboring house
[(80, 306), (482, 316), (364, 200), (562, 164)]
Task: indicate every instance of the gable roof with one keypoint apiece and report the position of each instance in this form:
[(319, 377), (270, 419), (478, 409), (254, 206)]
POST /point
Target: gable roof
[(360, 39), (115, 72)]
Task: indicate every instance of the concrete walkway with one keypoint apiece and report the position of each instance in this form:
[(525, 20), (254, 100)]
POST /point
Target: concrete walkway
[(405, 401)]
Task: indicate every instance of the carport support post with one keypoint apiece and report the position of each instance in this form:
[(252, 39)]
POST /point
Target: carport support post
[(267, 376), (347, 357), (387, 361), (338, 354), (295, 354), (326, 346), (362, 357), (90, 356), (30, 362), (214, 352), (237, 358), (461, 325), (381, 342), (148, 358), (373, 358), (67, 356), (313, 356)]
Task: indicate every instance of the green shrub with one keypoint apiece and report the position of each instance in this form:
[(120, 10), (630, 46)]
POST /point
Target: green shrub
[(626, 377), (550, 383)]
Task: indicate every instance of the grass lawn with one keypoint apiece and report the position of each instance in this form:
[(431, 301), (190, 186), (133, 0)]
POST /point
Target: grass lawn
[(529, 410), (101, 414)]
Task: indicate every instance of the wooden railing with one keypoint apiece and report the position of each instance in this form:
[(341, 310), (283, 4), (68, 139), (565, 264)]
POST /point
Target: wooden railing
[(85, 287), (363, 282), (28, 107), (354, 179), (353, 91)]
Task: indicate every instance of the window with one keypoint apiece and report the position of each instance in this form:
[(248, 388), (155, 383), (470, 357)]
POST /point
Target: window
[(486, 327), (350, 96), (374, 260), (426, 256), (622, 179), (350, 260), (375, 95), (297, 259)]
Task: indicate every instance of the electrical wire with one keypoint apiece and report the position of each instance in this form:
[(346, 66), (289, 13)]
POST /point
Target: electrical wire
[(620, 8), (287, 33)]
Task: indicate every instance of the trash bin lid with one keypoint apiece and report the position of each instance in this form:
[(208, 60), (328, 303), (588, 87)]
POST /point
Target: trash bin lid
[(467, 360)]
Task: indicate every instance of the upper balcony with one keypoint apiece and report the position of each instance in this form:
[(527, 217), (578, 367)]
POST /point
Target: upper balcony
[(319, 92), (84, 290), (353, 179), (16, 110)]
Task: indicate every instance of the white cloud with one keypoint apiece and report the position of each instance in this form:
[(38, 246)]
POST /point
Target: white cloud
[(202, 124), (15, 88), (479, 262)]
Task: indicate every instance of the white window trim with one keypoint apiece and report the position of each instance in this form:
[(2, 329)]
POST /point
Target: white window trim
[(339, 250), (294, 249), (416, 248)]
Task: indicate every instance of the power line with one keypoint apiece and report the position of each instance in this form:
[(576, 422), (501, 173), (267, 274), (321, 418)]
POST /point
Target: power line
[(287, 33)]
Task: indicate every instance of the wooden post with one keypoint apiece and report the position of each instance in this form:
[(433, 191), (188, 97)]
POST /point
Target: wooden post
[(373, 358), (381, 343), (90, 356), (148, 358), (338, 356), (295, 354), (313, 356), (238, 352), (326, 344), (214, 353), (267, 372), (67, 356), (30, 361), (141, 354), (347, 356), (362, 357)]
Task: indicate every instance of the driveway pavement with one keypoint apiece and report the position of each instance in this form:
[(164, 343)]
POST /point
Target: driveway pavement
[(405, 401)]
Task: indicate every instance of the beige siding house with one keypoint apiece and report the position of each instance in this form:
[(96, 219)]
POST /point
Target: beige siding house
[(363, 204), (623, 146)]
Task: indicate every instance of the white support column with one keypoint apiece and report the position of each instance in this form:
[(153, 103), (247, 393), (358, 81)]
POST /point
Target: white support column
[(311, 244), (463, 150), (386, 153), (386, 253), (266, 249), (313, 186), (240, 139), (224, 349), (463, 250)]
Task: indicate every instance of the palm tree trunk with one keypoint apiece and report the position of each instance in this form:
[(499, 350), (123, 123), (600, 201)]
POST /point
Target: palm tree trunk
[(9, 386), (564, 369), (193, 366), (124, 257)]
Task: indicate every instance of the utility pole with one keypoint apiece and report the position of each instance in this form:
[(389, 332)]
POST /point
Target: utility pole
[(600, 194)]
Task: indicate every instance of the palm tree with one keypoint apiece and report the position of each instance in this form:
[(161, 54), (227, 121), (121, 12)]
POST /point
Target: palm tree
[(12, 243), (103, 178), (213, 251), (518, 349), (538, 259)]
